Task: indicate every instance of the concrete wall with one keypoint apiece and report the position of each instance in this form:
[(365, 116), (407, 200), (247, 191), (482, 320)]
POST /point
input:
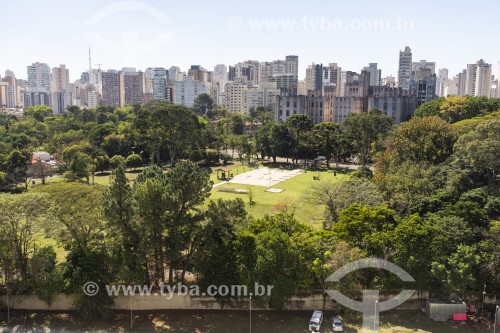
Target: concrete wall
[(158, 302)]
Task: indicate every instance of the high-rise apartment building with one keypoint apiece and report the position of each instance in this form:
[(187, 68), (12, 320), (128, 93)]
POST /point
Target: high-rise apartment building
[(263, 95), (220, 76), (198, 73), (156, 82), (423, 64), (423, 85), (133, 87), (389, 81), (404, 68), (314, 77), (375, 74), (186, 91), (292, 65), (462, 83), (442, 82), (39, 77), (234, 95), (112, 88), (332, 75), (12, 95), (478, 79), (483, 79), (60, 79)]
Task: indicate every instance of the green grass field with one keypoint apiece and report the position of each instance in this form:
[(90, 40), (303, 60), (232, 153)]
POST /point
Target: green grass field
[(293, 198)]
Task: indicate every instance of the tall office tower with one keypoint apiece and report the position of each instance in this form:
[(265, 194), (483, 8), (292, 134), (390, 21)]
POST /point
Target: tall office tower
[(60, 79), (452, 86), (292, 65), (133, 87), (186, 91), (423, 64), (112, 88), (462, 83), (375, 74), (442, 82), (39, 77), (331, 75), (404, 69), (482, 84), (156, 82), (220, 76), (314, 77)]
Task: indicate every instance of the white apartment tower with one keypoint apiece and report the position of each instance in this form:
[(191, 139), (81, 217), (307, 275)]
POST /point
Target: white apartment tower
[(220, 76), (483, 79), (478, 79), (186, 91), (60, 79), (39, 77), (405, 67)]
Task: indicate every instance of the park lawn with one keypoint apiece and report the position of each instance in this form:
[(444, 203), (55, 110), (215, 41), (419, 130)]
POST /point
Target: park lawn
[(293, 198)]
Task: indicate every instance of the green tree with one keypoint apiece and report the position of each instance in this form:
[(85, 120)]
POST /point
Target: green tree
[(82, 166), (326, 136), (203, 105), (38, 112), (365, 227), (21, 221), (217, 256), (175, 126), (116, 161), (277, 251), (17, 167), (364, 129), (459, 272), (133, 161), (426, 139), (477, 151), (341, 194), (118, 209), (298, 125)]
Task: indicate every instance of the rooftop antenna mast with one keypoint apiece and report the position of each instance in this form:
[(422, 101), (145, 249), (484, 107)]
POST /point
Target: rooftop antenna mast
[(99, 66)]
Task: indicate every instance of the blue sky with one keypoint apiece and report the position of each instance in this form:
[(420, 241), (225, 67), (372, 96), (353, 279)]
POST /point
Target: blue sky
[(164, 33)]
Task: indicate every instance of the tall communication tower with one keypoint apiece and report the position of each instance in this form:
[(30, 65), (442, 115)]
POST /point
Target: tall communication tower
[(90, 61)]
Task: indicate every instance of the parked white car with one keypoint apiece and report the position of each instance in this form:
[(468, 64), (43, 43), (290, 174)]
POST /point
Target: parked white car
[(316, 320)]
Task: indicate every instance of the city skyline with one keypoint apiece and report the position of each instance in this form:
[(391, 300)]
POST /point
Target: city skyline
[(166, 35)]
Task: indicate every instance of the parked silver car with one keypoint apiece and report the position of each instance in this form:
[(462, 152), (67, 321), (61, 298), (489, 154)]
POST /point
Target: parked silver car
[(337, 324)]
